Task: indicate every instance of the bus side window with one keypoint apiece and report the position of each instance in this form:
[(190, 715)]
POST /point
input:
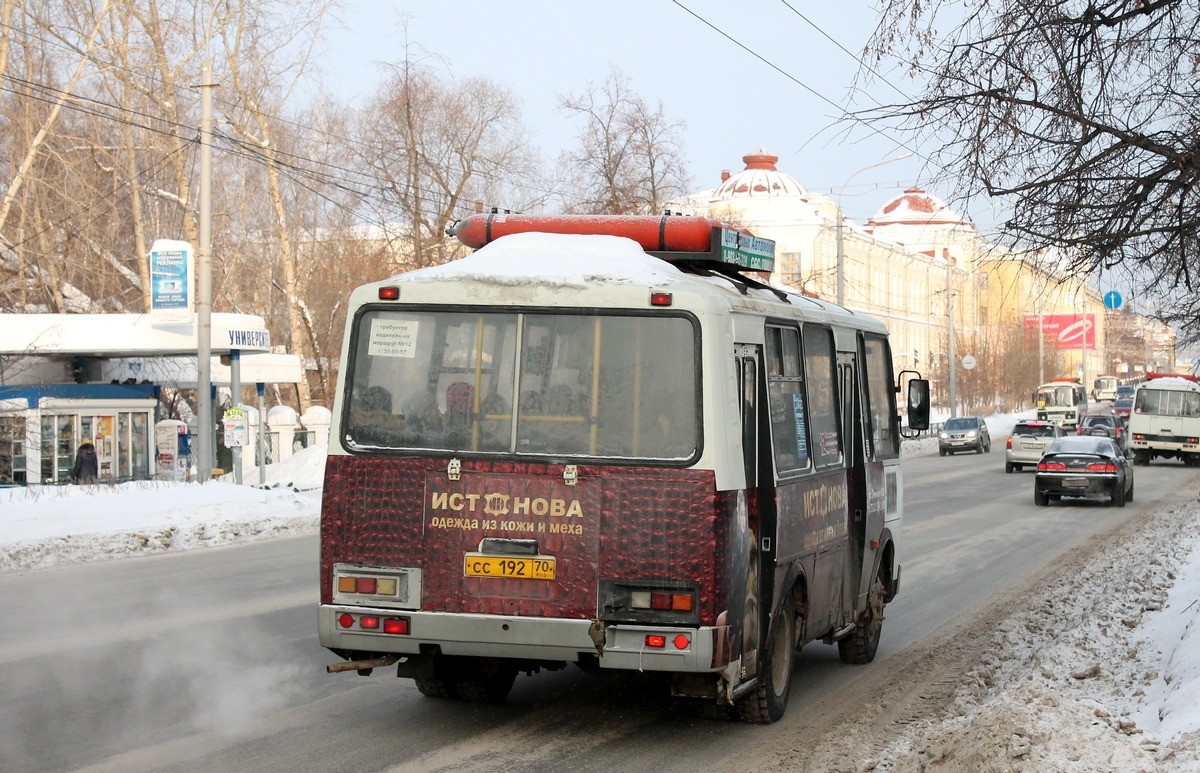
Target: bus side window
[(822, 388), (785, 394), (748, 399)]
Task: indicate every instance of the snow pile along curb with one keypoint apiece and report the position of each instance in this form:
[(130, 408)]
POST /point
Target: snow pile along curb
[(1078, 682)]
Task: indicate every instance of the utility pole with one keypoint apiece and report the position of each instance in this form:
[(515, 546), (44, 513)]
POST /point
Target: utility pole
[(204, 426), (950, 355)]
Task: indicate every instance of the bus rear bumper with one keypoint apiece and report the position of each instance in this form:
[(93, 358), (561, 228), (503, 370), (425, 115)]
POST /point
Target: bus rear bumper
[(623, 646)]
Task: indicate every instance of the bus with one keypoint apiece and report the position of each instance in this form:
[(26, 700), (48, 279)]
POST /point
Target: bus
[(1061, 400), (1105, 388), (607, 442), (1165, 419)]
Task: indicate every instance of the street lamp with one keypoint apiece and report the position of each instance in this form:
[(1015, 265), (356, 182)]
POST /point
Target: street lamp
[(841, 272)]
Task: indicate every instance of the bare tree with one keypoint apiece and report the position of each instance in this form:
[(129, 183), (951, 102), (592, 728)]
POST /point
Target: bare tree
[(264, 68), (630, 156), (435, 147), (1083, 119)]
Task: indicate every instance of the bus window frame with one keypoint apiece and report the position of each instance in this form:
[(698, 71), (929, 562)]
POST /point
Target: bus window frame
[(770, 378), (357, 330), (835, 390), (888, 389)]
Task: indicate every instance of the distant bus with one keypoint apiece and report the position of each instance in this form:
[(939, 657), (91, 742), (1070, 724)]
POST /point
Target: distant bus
[(1061, 400), (1165, 420), (1104, 388)]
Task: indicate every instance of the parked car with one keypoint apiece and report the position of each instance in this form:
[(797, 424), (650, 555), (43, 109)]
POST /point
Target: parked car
[(1122, 407), (1027, 443), (1106, 425), (1083, 466), (965, 433)]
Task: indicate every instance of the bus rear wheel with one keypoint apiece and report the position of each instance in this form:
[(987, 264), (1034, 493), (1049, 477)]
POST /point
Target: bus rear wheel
[(479, 686), (863, 642), (467, 679), (440, 683), (768, 701)]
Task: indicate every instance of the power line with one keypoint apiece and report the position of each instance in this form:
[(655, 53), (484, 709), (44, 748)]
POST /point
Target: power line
[(842, 111)]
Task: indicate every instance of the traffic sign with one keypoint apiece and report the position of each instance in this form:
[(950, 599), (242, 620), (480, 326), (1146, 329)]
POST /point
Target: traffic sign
[(1113, 300), (968, 362)]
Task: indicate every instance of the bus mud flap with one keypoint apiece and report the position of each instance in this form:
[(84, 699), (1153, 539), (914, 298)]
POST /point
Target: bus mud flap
[(597, 631)]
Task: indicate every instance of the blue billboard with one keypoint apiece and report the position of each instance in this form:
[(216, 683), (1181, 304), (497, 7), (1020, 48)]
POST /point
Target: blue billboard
[(172, 281)]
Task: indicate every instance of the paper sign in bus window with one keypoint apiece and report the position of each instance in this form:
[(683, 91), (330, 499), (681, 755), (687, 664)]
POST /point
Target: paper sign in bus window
[(801, 431), (393, 338)]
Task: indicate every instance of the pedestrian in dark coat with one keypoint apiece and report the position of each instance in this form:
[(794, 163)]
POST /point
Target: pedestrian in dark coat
[(87, 468)]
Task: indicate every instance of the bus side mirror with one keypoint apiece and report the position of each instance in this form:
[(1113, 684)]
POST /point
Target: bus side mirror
[(918, 404)]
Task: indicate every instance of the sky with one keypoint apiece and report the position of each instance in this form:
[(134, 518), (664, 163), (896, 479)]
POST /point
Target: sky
[(1101, 673), (763, 73)]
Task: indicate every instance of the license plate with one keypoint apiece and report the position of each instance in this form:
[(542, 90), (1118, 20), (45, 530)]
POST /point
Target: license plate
[(1075, 483), (508, 567)]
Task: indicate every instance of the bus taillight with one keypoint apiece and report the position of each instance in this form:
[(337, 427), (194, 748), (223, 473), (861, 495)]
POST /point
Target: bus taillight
[(661, 600)]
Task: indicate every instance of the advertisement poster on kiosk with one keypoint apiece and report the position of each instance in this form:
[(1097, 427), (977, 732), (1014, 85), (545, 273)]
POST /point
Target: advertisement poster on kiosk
[(171, 444)]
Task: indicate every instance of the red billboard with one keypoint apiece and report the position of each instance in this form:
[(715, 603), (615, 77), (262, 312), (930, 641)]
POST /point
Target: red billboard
[(1065, 331)]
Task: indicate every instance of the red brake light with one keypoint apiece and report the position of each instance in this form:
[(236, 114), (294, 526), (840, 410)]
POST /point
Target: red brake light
[(396, 625), (389, 293), (366, 585), (660, 600), (368, 621), (1102, 467), (660, 299), (1051, 466), (1008, 443), (656, 640), (345, 620), (681, 641)]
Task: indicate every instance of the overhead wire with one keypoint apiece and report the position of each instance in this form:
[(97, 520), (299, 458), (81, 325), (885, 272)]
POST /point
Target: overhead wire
[(841, 110), (517, 182)]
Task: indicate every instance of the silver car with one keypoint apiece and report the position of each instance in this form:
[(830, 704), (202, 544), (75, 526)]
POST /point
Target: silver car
[(965, 433), (1027, 443)]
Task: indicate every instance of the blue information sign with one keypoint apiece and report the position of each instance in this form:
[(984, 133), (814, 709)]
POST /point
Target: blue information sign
[(1112, 300)]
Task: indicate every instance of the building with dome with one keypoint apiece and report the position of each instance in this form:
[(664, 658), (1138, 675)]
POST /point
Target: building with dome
[(890, 280), (924, 269)]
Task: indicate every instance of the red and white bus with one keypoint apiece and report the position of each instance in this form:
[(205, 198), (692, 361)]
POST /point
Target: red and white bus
[(610, 446)]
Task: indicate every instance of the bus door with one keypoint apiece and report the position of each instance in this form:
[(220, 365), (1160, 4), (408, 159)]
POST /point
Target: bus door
[(855, 440), (751, 392)]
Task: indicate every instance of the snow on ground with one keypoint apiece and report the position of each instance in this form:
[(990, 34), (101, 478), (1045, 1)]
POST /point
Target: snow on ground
[(46, 526), (1101, 673)]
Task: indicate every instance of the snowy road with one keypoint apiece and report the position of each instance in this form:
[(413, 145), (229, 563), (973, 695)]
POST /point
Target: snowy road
[(207, 660)]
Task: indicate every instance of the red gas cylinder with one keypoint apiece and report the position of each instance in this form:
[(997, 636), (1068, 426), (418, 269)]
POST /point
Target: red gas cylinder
[(655, 233)]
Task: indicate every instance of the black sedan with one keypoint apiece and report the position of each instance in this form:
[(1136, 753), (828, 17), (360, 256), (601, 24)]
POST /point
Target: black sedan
[(1083, 466)]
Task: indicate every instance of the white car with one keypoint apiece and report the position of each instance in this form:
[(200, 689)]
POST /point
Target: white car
[(1027, 443)]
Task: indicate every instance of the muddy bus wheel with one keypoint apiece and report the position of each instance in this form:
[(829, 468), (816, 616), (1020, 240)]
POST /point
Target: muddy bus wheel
[(475, 685), (768, 701), (440, 683), (860, 646)]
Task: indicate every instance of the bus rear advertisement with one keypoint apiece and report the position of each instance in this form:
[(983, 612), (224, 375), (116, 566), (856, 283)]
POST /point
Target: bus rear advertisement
[(603, 442)]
